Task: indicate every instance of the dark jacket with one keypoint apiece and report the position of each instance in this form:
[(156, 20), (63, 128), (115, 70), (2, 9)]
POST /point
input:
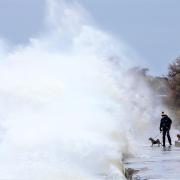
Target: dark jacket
[(165, 123)]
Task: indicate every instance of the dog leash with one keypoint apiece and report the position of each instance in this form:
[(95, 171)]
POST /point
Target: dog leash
[(157, 135)]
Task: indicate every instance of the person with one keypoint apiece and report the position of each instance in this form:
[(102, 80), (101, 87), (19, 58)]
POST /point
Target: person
[(165, 126)]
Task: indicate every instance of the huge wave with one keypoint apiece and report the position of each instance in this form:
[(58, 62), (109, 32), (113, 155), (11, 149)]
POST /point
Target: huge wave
[(68, 109)]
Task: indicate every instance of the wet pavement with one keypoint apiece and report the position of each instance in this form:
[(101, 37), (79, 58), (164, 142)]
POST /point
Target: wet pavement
[(155, 163)]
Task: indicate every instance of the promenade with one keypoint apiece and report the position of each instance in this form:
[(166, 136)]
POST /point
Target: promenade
[(155, 163)]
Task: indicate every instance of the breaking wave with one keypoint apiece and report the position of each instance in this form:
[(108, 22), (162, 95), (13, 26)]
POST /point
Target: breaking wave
[(68, 110)]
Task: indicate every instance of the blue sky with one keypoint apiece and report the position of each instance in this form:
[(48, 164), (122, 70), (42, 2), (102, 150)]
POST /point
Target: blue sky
[(150, 27)]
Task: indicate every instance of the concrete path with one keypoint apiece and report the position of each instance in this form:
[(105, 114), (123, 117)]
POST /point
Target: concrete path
[(155, 163)]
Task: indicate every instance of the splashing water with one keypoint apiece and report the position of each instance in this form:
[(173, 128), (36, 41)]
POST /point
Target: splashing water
[(67, 110)]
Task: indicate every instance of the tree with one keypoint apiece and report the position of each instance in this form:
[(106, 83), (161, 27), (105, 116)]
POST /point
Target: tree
[(174, 84), (174, 81), (174, 68)]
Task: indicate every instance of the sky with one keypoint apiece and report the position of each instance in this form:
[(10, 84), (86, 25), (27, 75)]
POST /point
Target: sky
[(150, 27)]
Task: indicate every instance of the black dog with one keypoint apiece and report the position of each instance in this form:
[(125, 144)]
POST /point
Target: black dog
[(157, 141)]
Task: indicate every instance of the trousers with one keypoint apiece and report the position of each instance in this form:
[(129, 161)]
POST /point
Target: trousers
[(165, 131)]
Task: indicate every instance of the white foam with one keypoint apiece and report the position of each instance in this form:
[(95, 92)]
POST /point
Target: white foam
[(67, 110)]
